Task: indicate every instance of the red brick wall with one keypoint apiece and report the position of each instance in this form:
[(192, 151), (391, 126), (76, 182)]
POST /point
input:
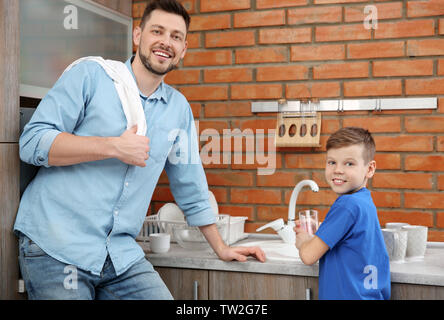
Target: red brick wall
[(246, 50)]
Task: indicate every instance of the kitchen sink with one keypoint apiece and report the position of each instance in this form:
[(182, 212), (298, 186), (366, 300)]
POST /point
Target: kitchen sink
[(275, 248)]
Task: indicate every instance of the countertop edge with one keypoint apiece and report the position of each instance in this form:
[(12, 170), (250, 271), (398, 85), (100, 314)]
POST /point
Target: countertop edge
[(248, 266), (181, 258), (429, 280)]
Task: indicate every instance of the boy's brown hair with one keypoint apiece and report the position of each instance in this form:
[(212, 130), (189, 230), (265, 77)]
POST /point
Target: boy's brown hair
[(353, 135)]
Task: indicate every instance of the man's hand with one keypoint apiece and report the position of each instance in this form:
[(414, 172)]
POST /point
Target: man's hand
[(68, 149), (241, 253), (227, 253), (131, 148)]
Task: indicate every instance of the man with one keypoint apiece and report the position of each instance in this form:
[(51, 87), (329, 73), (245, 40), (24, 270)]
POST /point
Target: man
[(79, 217)]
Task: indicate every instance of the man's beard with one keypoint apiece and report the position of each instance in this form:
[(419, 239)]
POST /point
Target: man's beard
[(150, 68)]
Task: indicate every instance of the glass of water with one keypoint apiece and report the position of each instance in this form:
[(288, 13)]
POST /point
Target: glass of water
[(309, 221)]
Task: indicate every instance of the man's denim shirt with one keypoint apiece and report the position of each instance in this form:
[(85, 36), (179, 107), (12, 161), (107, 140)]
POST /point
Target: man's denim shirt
[(78, 214)]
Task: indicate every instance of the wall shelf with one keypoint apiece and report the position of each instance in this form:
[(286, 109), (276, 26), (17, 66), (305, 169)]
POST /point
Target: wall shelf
[(349, 105)]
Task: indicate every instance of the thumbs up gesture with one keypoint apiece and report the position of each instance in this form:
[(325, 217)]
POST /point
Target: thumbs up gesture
[(131, 148)]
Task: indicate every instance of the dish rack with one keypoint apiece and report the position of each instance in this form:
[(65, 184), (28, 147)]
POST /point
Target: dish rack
[(231, 228)]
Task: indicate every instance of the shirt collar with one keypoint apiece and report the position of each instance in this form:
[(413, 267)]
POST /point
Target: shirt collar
[(159, 94)]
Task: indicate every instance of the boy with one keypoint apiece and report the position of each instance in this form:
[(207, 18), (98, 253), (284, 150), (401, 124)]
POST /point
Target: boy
[(354, 263)]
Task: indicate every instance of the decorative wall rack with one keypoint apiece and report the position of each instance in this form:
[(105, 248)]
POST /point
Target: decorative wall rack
[(348, 105)]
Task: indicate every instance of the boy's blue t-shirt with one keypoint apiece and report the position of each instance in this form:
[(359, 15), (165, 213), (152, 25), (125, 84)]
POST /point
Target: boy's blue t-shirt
[(356, 266)]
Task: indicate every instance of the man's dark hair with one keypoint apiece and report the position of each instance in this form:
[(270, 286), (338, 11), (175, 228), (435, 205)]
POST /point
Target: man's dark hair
[(171, 6)]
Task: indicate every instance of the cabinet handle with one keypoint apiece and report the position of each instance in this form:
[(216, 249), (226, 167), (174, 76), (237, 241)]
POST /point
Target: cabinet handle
[(308, 294), (195, 290)]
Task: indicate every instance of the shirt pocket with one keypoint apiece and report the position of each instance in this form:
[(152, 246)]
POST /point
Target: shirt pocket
[(161, 142)]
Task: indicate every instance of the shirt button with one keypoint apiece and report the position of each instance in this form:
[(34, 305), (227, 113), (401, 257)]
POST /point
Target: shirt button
[(126, 184), (116, 212)]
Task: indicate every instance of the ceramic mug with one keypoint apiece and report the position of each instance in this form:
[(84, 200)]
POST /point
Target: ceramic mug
[(395, 225), (159, 242), (416, 241), (396, 243)]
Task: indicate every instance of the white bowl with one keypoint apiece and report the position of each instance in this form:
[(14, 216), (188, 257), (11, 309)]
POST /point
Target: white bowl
[(191, 238)]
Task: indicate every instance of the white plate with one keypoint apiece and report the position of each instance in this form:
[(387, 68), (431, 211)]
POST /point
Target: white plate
[(171, 212), (213, 203)]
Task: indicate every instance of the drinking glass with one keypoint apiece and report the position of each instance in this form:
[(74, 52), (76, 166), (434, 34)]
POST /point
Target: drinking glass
[(309, 221)]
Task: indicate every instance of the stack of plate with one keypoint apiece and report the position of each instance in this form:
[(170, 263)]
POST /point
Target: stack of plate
[(171, 215)]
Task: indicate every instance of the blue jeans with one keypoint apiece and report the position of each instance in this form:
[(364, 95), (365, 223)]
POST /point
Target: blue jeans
[(48, 278)]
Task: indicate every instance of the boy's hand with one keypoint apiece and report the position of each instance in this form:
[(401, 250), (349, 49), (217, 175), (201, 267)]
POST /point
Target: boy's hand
[(301, 234), (311, 248)]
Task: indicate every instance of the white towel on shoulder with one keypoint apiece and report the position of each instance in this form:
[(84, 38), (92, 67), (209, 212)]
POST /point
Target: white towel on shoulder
[(126, 88)]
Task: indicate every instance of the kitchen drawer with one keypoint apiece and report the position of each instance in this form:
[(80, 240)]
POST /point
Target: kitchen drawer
[(226, 285), (405, 291), (185, 284)]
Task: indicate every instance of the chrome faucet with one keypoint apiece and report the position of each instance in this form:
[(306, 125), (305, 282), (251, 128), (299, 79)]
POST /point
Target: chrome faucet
[(286, 232)]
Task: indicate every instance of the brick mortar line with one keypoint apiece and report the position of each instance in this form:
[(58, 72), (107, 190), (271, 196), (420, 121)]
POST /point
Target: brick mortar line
[(311, 63), (343, 6), (333, 80), (254, 8), (259, 28), (321, 24)]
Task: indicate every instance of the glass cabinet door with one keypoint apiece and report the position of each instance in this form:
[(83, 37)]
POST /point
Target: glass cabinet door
[(54, 33)]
